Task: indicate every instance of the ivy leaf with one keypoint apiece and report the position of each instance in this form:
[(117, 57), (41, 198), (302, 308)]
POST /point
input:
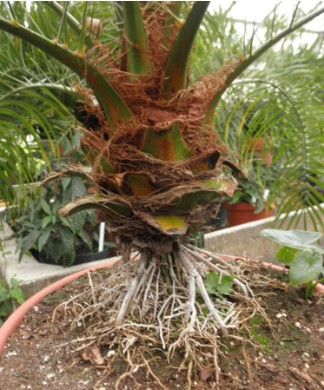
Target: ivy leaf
[(286, 255), (217, 283), (306, 266)]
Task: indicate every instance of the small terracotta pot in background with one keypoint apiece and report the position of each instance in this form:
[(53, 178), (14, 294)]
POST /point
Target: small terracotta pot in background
[(243, 212), (258, 145)]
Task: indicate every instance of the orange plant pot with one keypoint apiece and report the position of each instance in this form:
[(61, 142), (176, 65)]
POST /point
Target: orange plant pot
[(243, 212), (257, 145)]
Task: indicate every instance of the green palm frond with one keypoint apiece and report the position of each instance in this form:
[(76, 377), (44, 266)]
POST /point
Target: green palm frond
[(281, 97), (280, 92)]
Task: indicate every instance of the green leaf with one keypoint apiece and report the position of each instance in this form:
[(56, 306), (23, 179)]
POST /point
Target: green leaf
[(114, 106), (77, 221), (45, 206), (250, 59), (298, 239), (286, 255), (85, 238), (306, 266), (44, 237), (46, 221), (17, 294), (68, 253), (27, 242), (76, 189), (66, 182), (4, 294), (217, 283)]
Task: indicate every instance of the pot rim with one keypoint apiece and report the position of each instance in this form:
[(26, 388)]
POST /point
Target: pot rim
[(16, 317)]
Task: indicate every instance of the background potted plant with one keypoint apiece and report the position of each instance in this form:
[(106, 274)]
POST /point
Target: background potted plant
[(248, 203), (48, 236), (250, 200)]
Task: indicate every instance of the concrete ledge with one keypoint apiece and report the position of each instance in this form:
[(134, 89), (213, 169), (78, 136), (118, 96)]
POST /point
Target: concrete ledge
[(242, 240)]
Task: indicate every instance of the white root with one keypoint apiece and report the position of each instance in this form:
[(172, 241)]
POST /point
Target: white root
[(215, 268), (212, 255), (161, 301), (210, 306), (200, 284), (131, 291)]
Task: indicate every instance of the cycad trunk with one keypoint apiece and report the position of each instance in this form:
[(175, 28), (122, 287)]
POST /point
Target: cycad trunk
[(161, 173)]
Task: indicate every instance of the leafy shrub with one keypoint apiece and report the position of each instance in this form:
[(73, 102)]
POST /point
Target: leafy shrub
[(49, 236)]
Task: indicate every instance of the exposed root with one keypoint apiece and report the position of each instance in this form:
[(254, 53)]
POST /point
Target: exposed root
[(161, 303)]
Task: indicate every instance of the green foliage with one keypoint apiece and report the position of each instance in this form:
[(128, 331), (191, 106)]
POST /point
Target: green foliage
[(256, 325), (249, 191), (304, 258), (41, 229), (9, 296), (57, 239), (280, 96), (216, 283)]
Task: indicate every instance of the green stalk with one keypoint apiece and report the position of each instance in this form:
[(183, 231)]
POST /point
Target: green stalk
[(71, 21), (114, 106), (177, 64), (240, 68), (138, 58), (58, 87)]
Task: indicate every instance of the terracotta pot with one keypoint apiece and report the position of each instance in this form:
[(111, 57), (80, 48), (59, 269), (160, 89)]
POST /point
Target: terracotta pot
[(257, 145), (243, 212), (14, 320)]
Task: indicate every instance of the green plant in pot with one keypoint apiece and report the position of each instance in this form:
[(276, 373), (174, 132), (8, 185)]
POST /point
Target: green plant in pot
[(41, 230), (159, 171), (50, 237), (249, 201)]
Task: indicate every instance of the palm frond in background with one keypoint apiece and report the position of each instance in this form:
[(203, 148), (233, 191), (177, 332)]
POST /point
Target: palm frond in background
[(280, 97)]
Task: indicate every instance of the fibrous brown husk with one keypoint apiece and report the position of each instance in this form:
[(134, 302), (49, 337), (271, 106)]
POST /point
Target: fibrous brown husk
[(116, 152)]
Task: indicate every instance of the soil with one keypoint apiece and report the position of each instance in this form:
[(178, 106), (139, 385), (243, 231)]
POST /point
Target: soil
[(286, 352)]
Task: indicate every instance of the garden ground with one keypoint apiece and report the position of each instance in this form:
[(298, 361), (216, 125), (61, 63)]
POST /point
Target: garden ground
[(285, 352)]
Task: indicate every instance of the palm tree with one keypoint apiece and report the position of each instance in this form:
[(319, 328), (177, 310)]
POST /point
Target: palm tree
[(36, 102), (279, 97), (159, 169)]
